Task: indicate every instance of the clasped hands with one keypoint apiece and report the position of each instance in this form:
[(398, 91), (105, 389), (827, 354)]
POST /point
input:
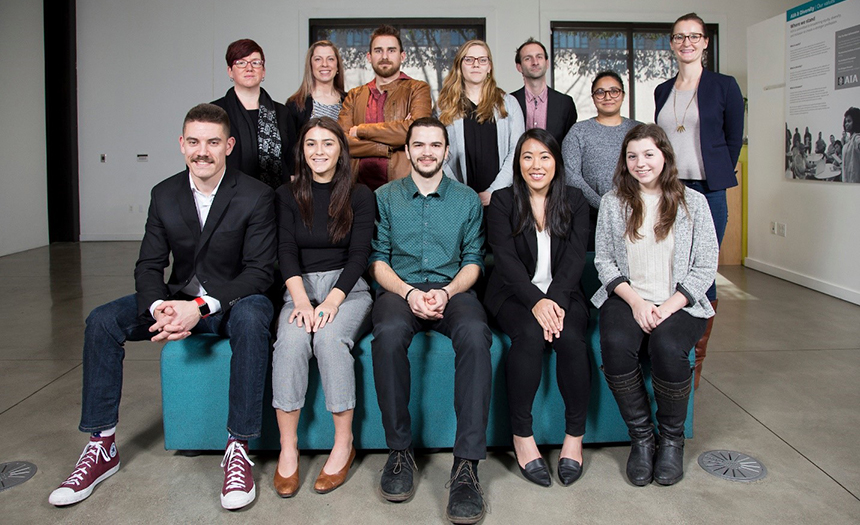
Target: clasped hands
[(174, 320), (313, 319), (427, 305), (648, 315), (550, 316)]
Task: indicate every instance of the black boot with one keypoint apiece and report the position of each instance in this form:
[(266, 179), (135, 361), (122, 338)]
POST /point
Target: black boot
[(672, 401), (632, 399)]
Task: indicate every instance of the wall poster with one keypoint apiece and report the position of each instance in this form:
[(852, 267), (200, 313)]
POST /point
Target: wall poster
[(822, 81)]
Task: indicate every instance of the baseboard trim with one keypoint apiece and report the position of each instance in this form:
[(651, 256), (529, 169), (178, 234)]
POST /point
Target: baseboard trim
[(804, 280), (111, 237)]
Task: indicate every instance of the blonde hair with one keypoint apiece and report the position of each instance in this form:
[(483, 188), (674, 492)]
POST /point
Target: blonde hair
[(453, 103), (307, 86)]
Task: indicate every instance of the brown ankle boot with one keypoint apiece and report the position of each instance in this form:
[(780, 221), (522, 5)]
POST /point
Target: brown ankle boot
[(702, 346)]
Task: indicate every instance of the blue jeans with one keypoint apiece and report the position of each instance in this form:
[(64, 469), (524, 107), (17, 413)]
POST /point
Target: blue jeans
[(109, 326), (719, 213)]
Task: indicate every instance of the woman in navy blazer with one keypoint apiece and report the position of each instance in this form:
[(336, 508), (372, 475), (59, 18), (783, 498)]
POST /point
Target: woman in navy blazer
[(702, 112), (538, 229)]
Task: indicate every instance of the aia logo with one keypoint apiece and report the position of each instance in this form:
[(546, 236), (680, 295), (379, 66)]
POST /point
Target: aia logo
[(847, 79), (113, 450)]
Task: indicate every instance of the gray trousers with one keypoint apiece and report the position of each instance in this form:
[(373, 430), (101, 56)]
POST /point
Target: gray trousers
[(331, 345)]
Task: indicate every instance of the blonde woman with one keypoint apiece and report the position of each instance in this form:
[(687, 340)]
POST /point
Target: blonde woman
[(484, 124), (321, 92)]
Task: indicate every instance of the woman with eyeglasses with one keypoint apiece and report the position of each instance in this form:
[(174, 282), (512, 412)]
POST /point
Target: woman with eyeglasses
[(483, 122), (321, 92), (702, 112), (591, 146), (262, 128)]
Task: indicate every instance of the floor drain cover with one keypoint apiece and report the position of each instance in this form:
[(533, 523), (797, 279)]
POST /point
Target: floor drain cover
[(731, 465), (15, 473)]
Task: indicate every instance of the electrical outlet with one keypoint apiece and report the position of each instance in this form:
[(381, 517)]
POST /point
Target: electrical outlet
[(773, 227), (103, 158), (780, 229)]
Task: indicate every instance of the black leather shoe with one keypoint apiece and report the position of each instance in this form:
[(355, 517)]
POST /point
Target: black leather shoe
[(537, 471), (465, 496), (569, 470), (396, 484)]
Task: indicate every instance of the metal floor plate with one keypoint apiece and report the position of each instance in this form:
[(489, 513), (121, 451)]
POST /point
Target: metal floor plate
[(14, 473), (731, 465)]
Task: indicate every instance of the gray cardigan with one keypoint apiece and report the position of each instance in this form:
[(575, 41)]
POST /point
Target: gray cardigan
[(508, 132), (694, 265)]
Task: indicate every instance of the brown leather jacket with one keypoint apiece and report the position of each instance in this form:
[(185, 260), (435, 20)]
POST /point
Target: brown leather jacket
[(406, 97)]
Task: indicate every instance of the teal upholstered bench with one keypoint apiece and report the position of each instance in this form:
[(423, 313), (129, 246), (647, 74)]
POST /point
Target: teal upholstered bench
[(195, 379)]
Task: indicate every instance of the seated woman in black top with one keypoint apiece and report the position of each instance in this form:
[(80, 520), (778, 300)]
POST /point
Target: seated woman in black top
[(325, 224), (538, 229), (263, 131)]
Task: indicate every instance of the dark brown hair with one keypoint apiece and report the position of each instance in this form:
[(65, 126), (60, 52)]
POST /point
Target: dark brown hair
[(557, 212), (531, 40), (627, 186), (343, 182), (695, 18), (386, 30), (242, 48), (207, 113)]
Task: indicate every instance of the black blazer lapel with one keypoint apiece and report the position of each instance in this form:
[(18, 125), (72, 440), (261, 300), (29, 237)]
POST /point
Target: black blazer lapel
[(222, 200), (531, 242), (187, 208)]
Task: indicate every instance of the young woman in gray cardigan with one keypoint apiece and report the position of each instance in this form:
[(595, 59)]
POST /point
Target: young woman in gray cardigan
[(656, 255)]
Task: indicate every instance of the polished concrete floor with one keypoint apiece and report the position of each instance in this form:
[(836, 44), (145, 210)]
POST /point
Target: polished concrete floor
[(780, 384)]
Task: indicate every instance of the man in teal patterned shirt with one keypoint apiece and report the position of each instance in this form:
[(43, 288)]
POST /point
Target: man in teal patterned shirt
[(427, 254)]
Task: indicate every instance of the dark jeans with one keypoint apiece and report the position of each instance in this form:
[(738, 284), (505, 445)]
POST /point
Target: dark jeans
[(668, 345), (465, 323), (109, 326), (524, 366), (719, 213)]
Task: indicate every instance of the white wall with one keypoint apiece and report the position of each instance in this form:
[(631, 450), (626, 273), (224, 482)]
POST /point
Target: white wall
[(142, 65), (822, 243), (23, 198)]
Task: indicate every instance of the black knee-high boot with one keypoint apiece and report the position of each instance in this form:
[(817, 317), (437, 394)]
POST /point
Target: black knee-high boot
[(632, 399), (672, 399)]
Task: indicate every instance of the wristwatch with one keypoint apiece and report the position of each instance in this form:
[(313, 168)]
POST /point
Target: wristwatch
[(203, 307)]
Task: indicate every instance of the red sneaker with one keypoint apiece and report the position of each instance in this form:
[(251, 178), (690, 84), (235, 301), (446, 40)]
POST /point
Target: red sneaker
[(98, 461), (238, 489)]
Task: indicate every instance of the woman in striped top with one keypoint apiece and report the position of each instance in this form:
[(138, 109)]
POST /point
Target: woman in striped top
[(321, 92)]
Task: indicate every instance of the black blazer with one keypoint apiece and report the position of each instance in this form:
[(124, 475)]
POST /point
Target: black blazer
[(721, 125), (516, 256), (233, 257), (560, 112)]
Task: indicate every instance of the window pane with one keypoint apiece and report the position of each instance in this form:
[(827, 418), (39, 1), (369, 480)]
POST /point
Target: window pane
[(429, 48), (578, 56), (653, 63)]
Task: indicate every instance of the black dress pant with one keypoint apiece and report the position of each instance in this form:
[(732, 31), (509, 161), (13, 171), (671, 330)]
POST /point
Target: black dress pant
[(524, 365), (668, 345), (465, 322)]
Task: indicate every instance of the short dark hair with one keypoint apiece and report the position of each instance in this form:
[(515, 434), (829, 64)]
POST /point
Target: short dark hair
[(604, 74), (208, 113), (531, 40), (242, 48), (427, 122), (854, 113), (386, 30)]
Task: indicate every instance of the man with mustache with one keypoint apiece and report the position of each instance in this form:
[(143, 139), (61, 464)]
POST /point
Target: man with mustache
[(427, 254), (219, 226), (543, 107), (375, 116)]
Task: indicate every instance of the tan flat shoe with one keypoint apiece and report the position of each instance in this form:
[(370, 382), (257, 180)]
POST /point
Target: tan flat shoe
[(287, 487), (328, 482)]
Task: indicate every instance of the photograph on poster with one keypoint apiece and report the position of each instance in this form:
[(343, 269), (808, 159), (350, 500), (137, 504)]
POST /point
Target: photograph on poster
[(822, 128)]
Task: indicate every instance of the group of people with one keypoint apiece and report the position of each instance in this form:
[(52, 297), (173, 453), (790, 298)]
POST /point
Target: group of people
[(389, 191), (842, 154)]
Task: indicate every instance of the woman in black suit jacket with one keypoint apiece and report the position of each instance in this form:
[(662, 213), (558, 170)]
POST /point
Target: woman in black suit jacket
[(538, 229)]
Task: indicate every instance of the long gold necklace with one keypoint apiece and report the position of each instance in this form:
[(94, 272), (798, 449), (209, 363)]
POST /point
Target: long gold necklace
[(680, 127)]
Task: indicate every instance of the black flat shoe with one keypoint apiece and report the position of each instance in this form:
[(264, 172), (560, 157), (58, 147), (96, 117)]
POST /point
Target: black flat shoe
[(569, 470), (537, 471)]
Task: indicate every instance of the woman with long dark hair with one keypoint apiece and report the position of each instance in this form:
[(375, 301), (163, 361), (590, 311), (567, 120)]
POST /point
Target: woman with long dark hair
[(656, 255), (483, 122), (851, 146), (537, 229), (263, 131), (321, 91), (325, 223), (702, 112)]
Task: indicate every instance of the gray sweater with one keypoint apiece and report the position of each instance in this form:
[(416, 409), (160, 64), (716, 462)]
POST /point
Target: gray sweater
[(591, 151), (694, 264)]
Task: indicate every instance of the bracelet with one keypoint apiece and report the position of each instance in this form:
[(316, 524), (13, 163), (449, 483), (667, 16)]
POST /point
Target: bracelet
[(409, 292), (446, 293)]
